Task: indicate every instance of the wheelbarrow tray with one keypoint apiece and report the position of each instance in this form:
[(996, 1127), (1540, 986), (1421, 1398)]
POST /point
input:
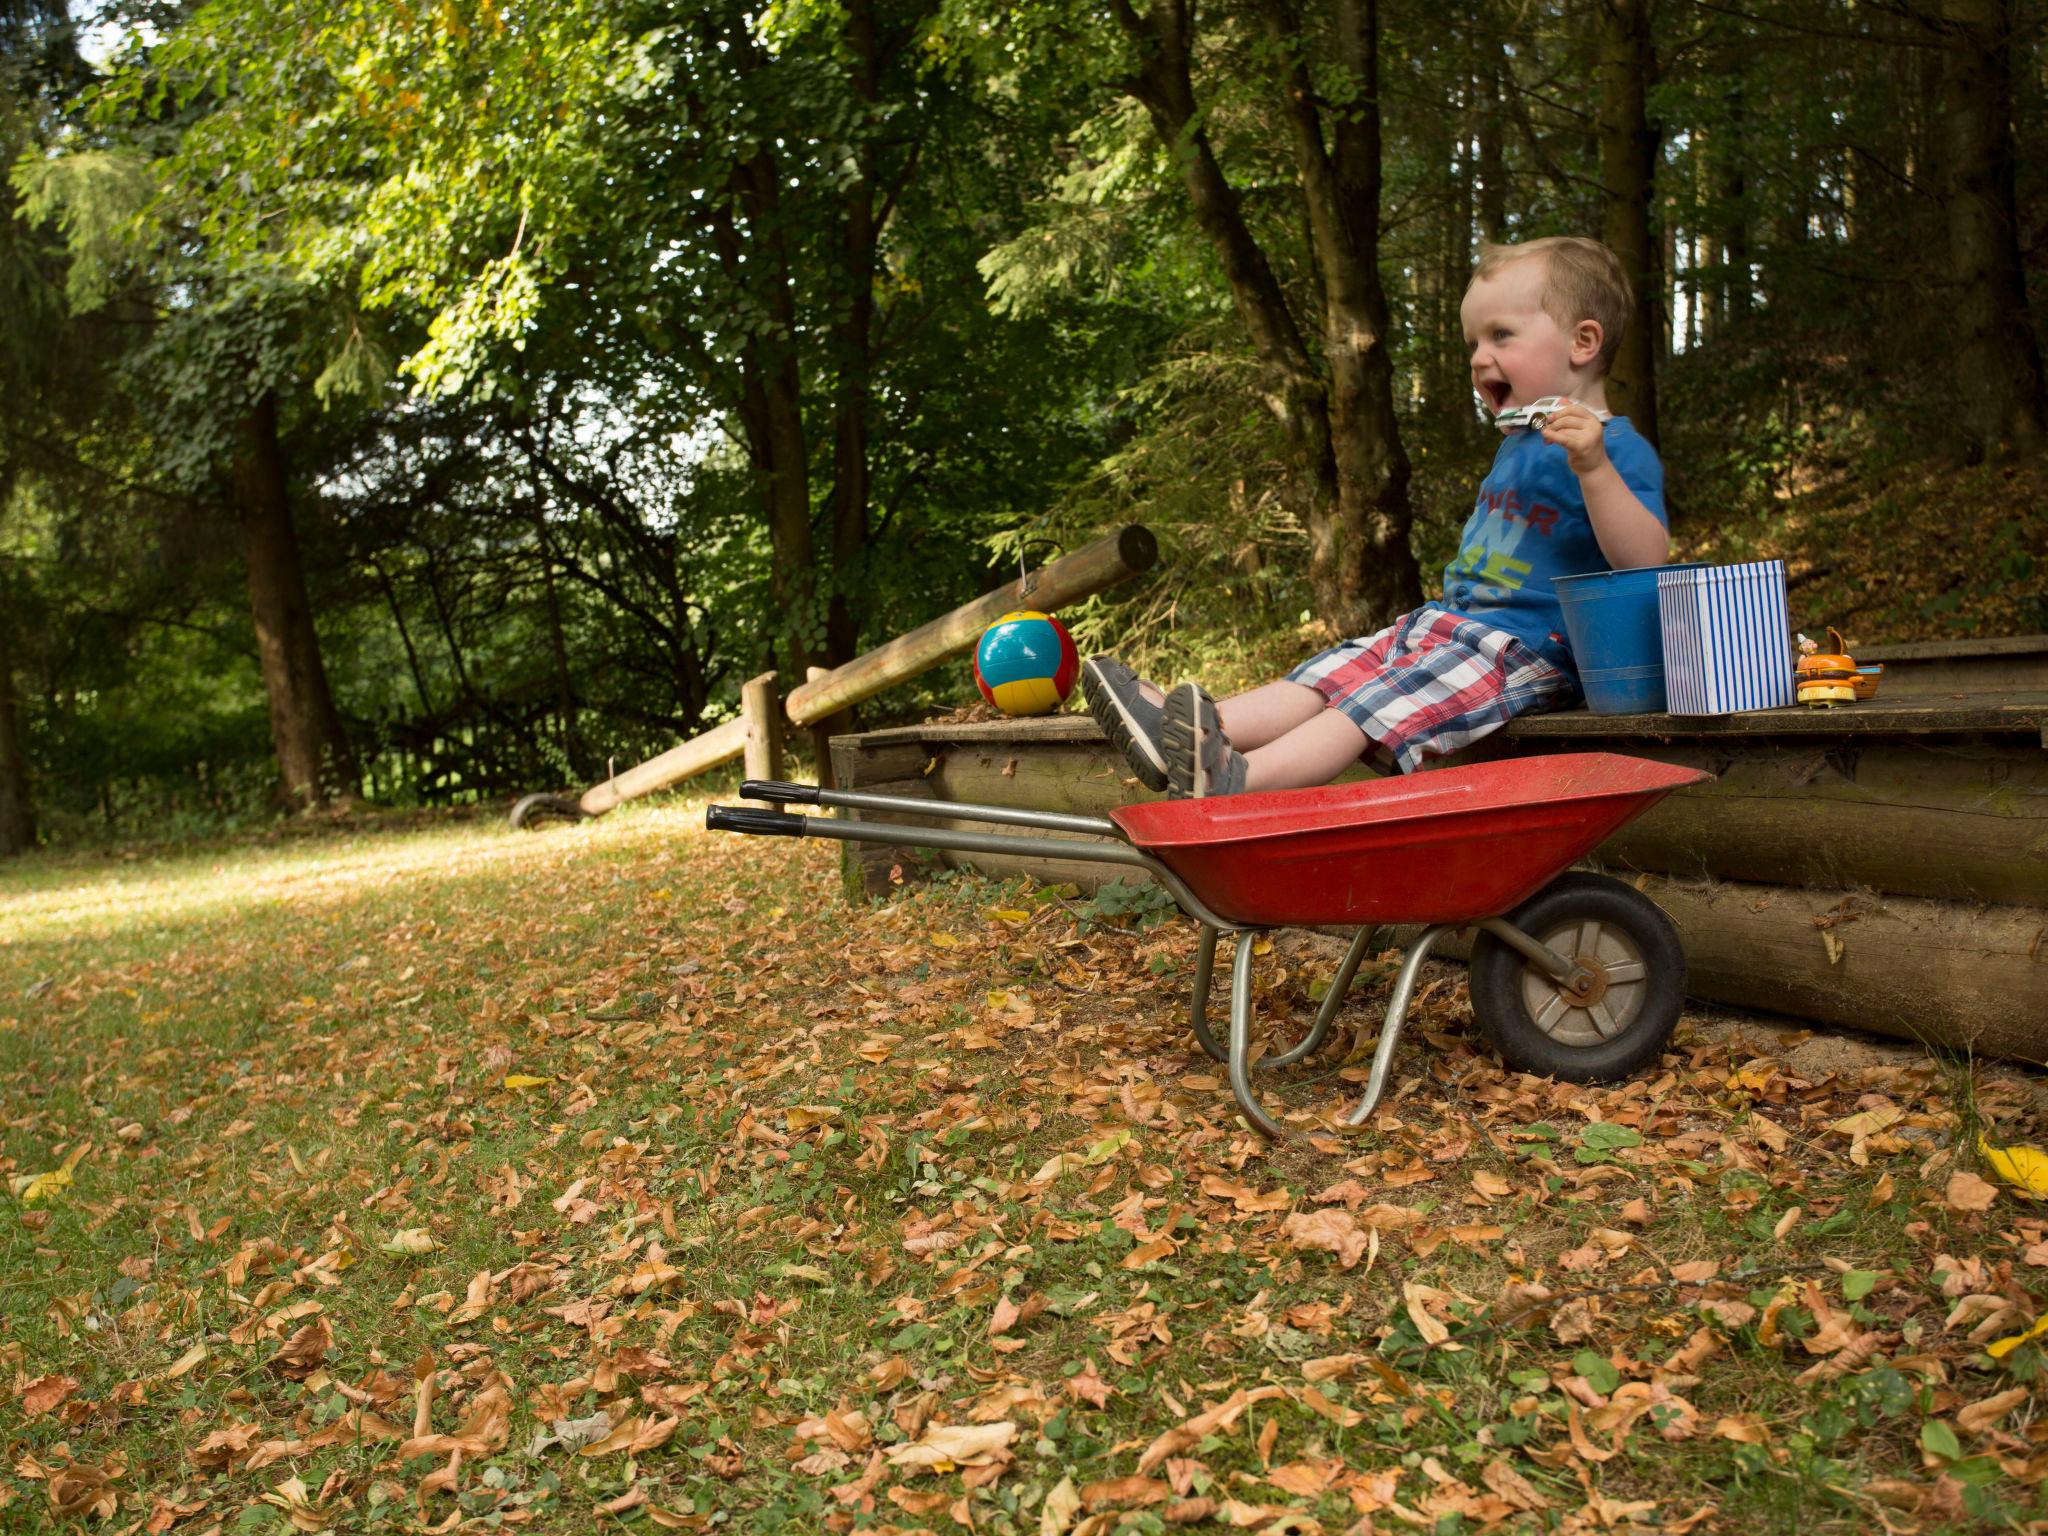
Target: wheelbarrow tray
[(1453, 845)]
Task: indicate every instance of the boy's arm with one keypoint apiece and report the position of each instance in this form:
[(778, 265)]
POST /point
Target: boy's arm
[(1628, 532)]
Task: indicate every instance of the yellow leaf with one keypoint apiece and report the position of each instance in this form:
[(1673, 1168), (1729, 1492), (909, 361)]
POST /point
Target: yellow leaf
[(1998, 1349), (2022, 1167), (1008, 915), (944, 941), (1870, 1122), (410, 1240), (42, 1186), (520, 1081)]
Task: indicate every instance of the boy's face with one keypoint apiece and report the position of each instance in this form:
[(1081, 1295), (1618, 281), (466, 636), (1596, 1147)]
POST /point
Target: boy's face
[(1519, 353)]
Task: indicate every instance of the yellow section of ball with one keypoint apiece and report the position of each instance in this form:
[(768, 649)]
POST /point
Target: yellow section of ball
[(1027, 696)]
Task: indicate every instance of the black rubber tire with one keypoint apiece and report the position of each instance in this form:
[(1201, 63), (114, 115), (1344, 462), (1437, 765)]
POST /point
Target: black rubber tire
[(1501, 980), (539, 810)]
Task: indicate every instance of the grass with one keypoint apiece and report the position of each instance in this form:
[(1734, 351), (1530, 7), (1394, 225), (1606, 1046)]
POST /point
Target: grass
[(402, 1161)]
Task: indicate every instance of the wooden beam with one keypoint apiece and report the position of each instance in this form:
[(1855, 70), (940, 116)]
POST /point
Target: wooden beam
[(721, 744), (1088, 570)]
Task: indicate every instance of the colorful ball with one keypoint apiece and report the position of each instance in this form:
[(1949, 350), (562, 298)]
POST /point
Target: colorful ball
[(1025, 664)]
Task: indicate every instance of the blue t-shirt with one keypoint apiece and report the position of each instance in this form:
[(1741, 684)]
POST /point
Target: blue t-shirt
[(1530, 526)]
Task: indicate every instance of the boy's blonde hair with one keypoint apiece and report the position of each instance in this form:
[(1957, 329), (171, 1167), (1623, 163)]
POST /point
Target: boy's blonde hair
[(1583, 280)]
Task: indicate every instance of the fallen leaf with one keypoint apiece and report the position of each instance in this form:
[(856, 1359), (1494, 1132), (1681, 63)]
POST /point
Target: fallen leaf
[(45, 1393), (945, 1446), (1335, 1230), (1967, 1192)]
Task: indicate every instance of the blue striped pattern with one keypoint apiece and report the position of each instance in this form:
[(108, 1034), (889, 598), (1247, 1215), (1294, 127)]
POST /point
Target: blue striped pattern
[(1727, 638)]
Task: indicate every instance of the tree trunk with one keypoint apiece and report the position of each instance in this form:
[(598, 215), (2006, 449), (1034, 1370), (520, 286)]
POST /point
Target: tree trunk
[(1493, 129), (1628, 168), (1379, 577), (313, 755), (1997, 352), (1343, 428), (17, 818), (1734, 191)]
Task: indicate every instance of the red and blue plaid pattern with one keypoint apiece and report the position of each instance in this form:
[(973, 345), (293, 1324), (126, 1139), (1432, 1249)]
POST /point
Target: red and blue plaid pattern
[(1433, 682)]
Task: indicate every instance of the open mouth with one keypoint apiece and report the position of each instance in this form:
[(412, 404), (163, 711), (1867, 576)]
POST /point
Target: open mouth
[(1496, 392)]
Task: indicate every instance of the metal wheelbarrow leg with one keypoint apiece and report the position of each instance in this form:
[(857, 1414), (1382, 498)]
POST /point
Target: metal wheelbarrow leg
[(1238, 1054), (1578, 981)]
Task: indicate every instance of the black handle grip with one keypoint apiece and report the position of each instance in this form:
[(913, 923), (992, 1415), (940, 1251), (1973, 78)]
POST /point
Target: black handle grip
[(740, 818), (778, 793)]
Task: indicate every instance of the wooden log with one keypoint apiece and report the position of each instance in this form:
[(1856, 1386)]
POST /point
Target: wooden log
[(721, 744), (1965, 819), (1968, 977), (764, 727), (878, 869), (1088, 570)]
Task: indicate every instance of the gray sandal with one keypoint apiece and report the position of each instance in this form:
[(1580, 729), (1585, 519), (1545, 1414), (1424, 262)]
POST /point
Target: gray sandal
[(1200, 761), (1127, 717)]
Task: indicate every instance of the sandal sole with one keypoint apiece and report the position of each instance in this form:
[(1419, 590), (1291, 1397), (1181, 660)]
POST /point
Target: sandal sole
[(1124, 733)]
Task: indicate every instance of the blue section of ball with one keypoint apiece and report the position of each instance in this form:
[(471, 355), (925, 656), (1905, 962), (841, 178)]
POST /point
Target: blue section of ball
[(1018, 650)]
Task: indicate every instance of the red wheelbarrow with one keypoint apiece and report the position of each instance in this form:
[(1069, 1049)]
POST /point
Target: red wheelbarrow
[(1573, 975)]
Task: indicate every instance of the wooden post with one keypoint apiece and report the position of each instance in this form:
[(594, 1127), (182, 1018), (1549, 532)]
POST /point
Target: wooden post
[(1088, 570), (764, 727)]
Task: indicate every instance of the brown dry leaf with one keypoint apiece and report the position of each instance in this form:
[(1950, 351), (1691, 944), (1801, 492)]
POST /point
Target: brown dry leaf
[(1746, 1428), (1967, 1192), (1244, 1197), (1490, 1185), (82, 1489), (1085, 1386), (1336, 1413), (1126, 1493), (305, 1351), (634, 1434), (1208, 1422), (222, 1448), (945, 1446), (1331, 1367), (1574, 1321), (1334, 1230), (1511, 1486), (1303, 1479), (1417, 1298), (1148, 1253), (45, 1393), (1059, 1509), (1985, 1412)]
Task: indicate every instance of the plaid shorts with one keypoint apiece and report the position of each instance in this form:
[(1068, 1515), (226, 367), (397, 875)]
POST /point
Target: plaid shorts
[(1431, 683)]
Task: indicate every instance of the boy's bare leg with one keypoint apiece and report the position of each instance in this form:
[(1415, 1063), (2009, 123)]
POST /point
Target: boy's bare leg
[(1314, 752), (1266, 714)]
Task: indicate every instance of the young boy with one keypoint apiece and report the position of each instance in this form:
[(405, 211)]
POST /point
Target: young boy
[(1586, 493)]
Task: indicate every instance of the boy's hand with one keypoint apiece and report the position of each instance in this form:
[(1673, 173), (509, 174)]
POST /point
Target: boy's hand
[(1581, 434)]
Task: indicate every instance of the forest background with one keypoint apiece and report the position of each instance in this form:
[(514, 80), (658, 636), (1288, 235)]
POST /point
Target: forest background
[(423, 402)]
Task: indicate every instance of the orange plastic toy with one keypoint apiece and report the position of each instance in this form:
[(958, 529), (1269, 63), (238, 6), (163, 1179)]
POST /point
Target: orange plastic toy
[(1825, 679)]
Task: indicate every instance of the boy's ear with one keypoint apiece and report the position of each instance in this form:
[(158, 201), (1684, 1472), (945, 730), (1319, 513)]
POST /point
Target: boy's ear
[(1587, 338)]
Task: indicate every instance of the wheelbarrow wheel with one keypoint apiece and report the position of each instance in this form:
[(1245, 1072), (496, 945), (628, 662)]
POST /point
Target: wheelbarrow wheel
[(1613, 1026)]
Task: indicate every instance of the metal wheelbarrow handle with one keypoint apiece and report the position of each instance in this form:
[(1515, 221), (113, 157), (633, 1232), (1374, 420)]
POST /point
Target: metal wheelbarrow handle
[(740, 818), (776, 792)]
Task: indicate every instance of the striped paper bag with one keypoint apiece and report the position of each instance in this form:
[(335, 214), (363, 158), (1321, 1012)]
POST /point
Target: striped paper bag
[(1727, 638)]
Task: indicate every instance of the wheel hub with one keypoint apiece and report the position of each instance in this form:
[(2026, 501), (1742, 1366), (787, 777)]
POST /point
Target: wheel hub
[(1601, 996), (1587, 984)]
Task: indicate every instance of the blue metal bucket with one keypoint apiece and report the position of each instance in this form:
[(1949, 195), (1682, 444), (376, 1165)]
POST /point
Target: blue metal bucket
[(1617, 639)]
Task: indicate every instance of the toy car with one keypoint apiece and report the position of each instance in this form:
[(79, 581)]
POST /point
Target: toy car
[(1533, 416)]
